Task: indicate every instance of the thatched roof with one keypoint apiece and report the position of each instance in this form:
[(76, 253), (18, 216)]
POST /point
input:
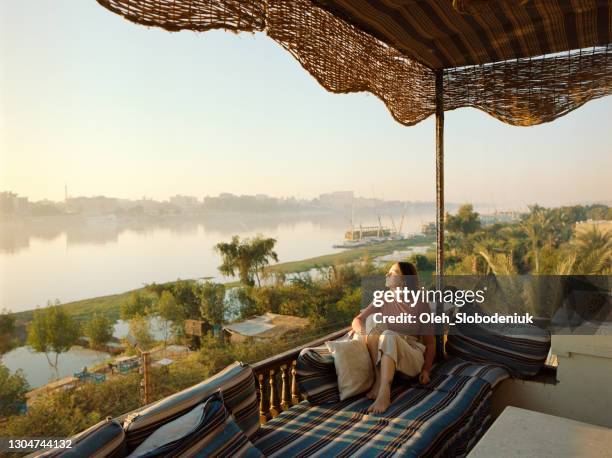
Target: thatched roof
[(523, 61)]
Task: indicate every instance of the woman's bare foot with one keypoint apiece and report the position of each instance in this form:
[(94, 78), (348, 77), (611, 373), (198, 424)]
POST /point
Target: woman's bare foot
[(375, 388), (383, 400)]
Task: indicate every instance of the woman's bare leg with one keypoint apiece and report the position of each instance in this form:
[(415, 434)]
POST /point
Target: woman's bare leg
[(385, 377), (372, 344)]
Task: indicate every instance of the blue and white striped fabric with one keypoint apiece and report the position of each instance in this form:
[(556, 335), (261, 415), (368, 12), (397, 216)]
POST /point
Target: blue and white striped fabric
[(105, 439), (316, 375), (521, 349), (491, 373), (205, 431), (237, 385), (445, 417)]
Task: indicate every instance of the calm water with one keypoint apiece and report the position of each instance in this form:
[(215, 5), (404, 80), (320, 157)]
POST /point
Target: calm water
[(37, 370), (75, 258), (71, 259)]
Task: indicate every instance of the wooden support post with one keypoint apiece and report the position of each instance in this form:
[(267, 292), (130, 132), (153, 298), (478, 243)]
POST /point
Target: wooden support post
[(295, 395), (439, 174), (274, 407), (439, 203), (146, 376), (285, 396), (263, 410)]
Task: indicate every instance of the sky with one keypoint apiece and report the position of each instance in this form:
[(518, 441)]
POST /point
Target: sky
[(104, 106)]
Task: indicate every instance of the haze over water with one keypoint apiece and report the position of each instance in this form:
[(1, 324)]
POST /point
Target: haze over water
[(76, 260)]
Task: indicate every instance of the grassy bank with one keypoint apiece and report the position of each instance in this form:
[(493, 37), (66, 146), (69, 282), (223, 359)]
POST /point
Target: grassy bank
[(110, 305), (350, 255)]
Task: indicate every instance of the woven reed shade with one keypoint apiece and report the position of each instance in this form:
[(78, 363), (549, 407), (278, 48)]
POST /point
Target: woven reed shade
[(524, 62)]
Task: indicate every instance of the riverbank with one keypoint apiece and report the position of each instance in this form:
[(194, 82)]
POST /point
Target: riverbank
[(110, 304)]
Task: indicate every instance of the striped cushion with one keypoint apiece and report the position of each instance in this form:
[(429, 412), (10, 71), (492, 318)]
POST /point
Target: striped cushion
[(457, 367), (104, 439), (444, 418), (521, 349), (237, 384), (207, 431), (316, 375)]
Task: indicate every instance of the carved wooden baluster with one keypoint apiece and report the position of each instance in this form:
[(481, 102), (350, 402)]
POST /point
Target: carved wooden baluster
[(295, 395), (263, 411), (274, 407), (285, 399)]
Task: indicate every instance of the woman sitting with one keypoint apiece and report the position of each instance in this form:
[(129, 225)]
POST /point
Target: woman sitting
[(408, 348)]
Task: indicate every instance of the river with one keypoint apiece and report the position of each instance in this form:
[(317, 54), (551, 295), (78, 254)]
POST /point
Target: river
[(77, 258)]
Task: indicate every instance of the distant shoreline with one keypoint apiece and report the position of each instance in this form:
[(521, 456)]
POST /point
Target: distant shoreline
[(110, 304)]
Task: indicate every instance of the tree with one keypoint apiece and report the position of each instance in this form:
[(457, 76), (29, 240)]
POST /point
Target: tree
[(262, 250), (137, 304), (13, 389), (591, 253), (140, 330), (7, 328), (99, 330), (538, 227), (187, 295), (422, 262), (467, 221), (212, 306), (248, 258), (169, 312), (52, 330)]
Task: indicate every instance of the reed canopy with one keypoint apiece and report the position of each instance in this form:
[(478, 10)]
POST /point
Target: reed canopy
[(524, 62)]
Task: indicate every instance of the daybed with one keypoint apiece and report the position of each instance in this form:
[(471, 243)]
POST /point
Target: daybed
[(221, 416)]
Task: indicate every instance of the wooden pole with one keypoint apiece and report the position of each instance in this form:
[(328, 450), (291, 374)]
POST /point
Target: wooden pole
[(146, 366), (439, 205), (439, 174)]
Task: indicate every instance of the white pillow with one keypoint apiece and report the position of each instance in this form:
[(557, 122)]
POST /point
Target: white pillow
[(353, 367)]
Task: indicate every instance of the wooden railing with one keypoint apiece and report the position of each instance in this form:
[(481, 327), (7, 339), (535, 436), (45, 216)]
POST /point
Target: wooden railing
[(276, 377)]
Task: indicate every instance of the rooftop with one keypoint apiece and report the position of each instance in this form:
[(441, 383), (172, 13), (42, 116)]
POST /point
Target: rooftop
[(268, 326)]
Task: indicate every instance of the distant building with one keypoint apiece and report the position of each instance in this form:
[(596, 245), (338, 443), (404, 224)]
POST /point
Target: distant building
[(263, 327), (99, 205), (186, 203), (12, 204), (500, 217), (603, 226), (428, 229), (337, 199)]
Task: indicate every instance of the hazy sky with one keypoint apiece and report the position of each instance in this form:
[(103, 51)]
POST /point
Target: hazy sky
[(109, 107)]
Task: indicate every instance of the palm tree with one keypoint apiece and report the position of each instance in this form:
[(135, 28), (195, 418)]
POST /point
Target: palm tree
[(592, 252), (539, 229)]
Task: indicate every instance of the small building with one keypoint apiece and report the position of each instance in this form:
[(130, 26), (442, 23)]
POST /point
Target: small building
[(125, 363), (264, 327), (428, 229), (500, 217), (196, 327)]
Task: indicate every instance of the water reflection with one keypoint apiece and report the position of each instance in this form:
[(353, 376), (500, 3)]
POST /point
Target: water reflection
[(37, 369), (100, 230), (78, 257)]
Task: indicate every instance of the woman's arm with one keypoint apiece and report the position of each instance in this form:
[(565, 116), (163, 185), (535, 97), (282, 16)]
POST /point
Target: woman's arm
[(359, 321)]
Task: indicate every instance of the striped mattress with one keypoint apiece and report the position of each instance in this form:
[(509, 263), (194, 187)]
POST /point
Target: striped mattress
[(444, 418)]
